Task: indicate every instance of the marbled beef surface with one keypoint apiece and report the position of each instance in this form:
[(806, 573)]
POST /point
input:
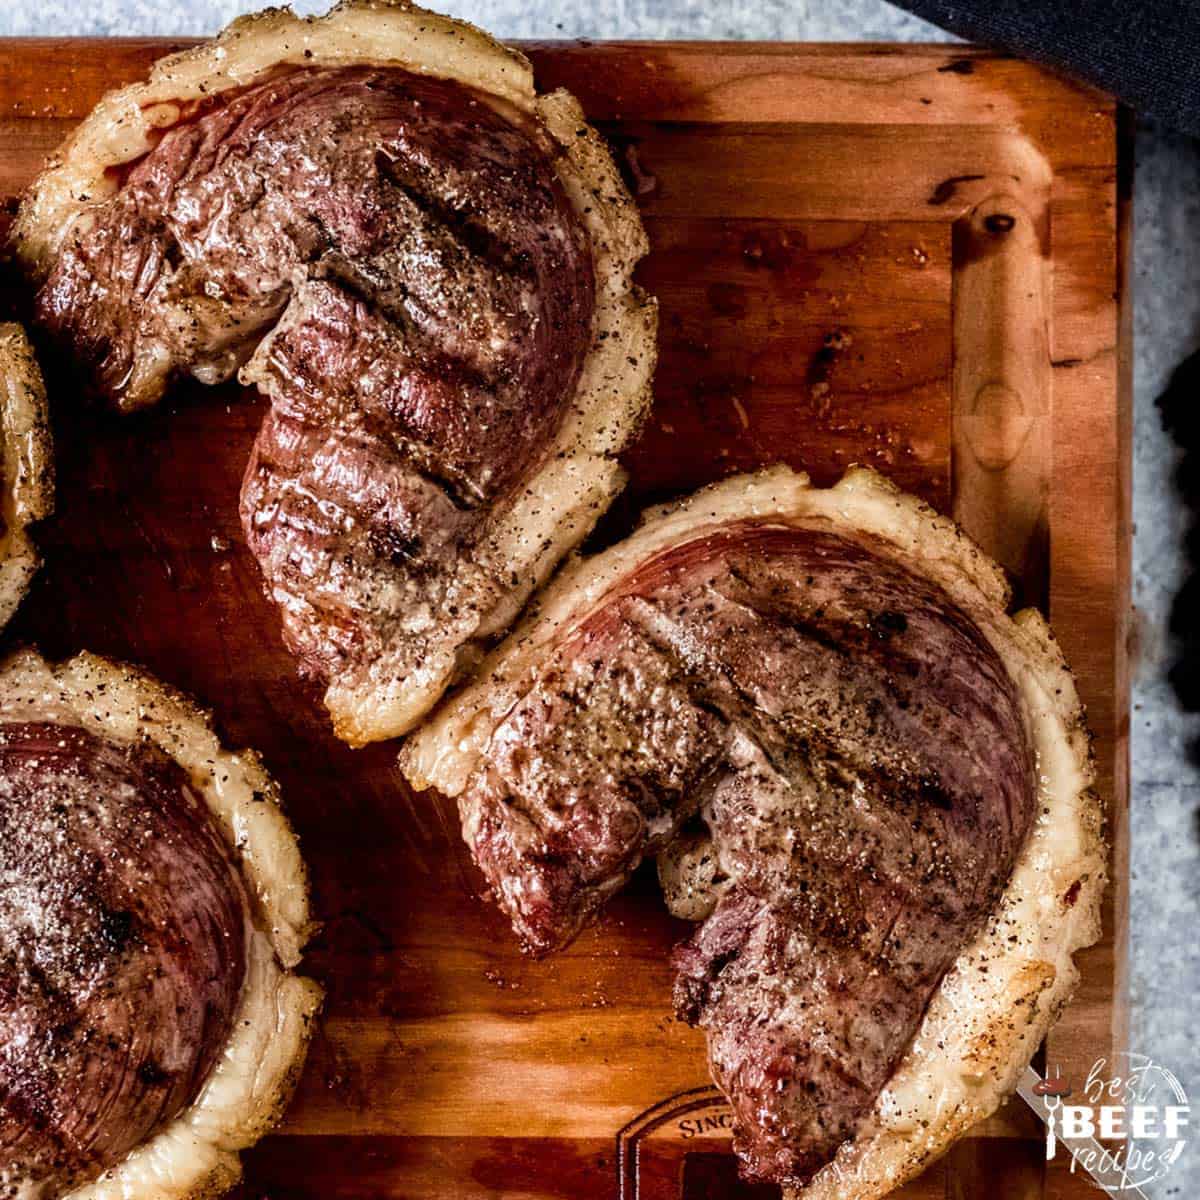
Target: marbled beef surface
[(122, 951), (427, 294), (858, 753)]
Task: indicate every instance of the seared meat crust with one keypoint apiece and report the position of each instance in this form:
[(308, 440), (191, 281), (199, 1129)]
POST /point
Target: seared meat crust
[(427, 293), (122, 950), (427, 268), (153, 903), (869, 783), (857, 751)]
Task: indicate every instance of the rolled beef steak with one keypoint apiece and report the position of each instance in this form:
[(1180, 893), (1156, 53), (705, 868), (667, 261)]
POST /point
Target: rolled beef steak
[(153, 905), (438, 293), (122, 951), (430, 282), (850, 739), (855, 748)]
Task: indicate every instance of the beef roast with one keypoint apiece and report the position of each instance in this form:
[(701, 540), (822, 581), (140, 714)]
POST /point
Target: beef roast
[(858, 753), (122, 951), (425, 289)]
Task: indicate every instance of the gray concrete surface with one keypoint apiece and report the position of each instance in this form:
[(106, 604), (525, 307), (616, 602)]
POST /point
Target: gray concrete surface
[(1165, 967)]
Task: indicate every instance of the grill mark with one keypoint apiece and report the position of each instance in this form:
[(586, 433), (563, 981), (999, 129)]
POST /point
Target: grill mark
[(413, 343), (436, 472), (352, 278), (463, 493), (845, 639), (425, 468), (697, 790), (471, 234), (914, 789), (770, 736), (736, 706)]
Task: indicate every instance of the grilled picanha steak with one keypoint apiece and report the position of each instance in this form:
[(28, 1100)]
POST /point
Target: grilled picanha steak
[(858, 753), (426, 293), (122, 951), (415, 198)]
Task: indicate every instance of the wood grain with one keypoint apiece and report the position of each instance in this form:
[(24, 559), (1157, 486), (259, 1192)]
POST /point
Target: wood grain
[(832, 291), (1000, 426)]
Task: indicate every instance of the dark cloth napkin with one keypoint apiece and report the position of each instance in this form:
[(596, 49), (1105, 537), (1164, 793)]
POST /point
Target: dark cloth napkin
[(1146, 52)]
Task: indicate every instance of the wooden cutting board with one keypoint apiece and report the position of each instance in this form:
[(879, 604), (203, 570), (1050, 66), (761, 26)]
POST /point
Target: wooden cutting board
[(911, 257)]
